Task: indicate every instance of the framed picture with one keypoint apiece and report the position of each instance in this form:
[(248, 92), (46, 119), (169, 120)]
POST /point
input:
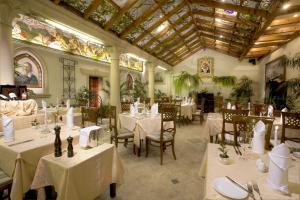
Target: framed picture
[(159, 77), (205, 67), (275, 91), (28, 71)]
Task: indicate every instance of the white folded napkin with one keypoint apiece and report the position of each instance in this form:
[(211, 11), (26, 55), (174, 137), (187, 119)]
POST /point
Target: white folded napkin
[(132, 109), (68, 104), (84, 138), (138, 100), (228, 105), (12, 95), (154, 109), (270, 111), (258, 142), (8, 128), (283, 110), (278, 168), (249, 106), (233, 107), (70, 118)]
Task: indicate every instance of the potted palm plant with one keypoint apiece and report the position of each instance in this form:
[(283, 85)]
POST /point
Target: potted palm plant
[(242, 92)]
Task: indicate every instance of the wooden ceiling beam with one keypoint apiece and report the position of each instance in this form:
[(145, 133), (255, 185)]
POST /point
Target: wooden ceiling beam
[(276, 6), (273, 37), (222, 39), (224, 17), (283, 30), (156, 37), (142, 18), (187, 55), (91, 8), (118, 16), (158, 23), (268, 44), (290, 10), (285, 21), (237, 8)]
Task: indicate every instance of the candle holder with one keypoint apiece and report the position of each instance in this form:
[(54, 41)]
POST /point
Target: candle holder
[(70, 147), (57, 142)]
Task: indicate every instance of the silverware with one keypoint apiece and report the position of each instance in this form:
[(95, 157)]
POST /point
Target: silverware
[(250, 190), (237, 153), (10, 145), (256, 189), (237, 184)]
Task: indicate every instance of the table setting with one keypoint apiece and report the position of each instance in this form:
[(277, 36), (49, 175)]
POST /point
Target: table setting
[(248, 171)]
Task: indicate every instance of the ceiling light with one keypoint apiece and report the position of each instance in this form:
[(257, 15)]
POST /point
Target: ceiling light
[(223, 0), (162, 68), (136, 57), (269, 27), (296, 15), (221, 36), (286, 6), (218, 20), (162, 27)]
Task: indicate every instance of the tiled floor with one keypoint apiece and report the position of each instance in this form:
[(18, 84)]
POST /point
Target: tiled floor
[(177, 179)]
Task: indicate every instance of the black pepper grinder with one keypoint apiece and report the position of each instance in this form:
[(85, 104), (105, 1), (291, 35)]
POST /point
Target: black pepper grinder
[(57, 142), (70, 147)]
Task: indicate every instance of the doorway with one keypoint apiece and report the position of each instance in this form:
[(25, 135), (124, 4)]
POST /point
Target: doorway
[(95, 84)]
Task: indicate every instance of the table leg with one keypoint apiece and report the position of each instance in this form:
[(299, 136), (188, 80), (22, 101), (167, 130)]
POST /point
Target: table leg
[(211, 139), (113, 190)]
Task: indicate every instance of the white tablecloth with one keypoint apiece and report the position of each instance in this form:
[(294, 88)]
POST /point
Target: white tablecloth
[(244, 170), (20, 161), (141, 125), (187, 110), (84, 176)]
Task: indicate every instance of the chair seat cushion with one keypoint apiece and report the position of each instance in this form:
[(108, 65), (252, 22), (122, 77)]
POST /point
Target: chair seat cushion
[(4, 179), (123, 134), (156, 137)]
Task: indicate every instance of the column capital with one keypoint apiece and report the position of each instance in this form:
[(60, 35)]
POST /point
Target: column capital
[(9, 9), (151, 65), (115, 52)]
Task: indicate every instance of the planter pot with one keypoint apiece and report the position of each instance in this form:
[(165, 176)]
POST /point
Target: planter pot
[(225, 161)]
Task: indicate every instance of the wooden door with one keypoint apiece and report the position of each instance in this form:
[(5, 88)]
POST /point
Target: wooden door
[(94, 87)]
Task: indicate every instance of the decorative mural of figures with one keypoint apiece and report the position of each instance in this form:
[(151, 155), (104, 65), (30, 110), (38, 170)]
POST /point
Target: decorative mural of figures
[(129, 82), (28, 71)]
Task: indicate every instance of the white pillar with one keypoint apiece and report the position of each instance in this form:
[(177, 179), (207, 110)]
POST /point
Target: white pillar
[(115, 77), (151, 68), (7, 13)]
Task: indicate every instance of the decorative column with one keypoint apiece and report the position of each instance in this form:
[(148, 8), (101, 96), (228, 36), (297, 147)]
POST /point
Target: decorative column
[(115, 77), (151, 68), (7, 13)]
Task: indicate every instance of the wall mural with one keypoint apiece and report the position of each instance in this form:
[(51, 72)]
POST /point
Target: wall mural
[(39, 31), (206, 66), (28, 71)]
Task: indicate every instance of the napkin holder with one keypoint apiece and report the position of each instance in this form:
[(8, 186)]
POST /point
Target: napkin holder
[(57, 142), (94, 138)]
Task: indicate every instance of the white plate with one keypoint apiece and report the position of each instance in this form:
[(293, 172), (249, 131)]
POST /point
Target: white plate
[(228, 189)]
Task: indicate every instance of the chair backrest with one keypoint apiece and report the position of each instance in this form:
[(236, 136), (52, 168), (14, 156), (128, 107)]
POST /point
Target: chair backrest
[(113, 119), (89, 115), (290, 121), (227, 114), (168, 115), (202, 104), (247, 124), (125, 106)]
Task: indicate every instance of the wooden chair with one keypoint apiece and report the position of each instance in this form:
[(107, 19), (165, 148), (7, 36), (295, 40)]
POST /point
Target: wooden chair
[(5, 184), (166, 137), (147, 103), (227, 115), (125, 107), (200, 112), (178, 116), (291, 121), (246, 124), (118, 136), (89, 115)]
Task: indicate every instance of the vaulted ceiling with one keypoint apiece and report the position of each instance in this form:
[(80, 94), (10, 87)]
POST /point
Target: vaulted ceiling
[(173, 30)]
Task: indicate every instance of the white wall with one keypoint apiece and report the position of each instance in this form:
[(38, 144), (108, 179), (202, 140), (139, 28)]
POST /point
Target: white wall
[(224, 65)]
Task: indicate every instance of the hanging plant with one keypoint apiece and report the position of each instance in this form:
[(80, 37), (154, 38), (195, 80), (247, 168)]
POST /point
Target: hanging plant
[(226, 81), (186, 81)]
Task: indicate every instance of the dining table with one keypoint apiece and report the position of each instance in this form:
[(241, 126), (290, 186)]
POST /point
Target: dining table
[(20, 158), (214, 121), (86, 175), (187, 110), (242, 169), (142, 124)]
